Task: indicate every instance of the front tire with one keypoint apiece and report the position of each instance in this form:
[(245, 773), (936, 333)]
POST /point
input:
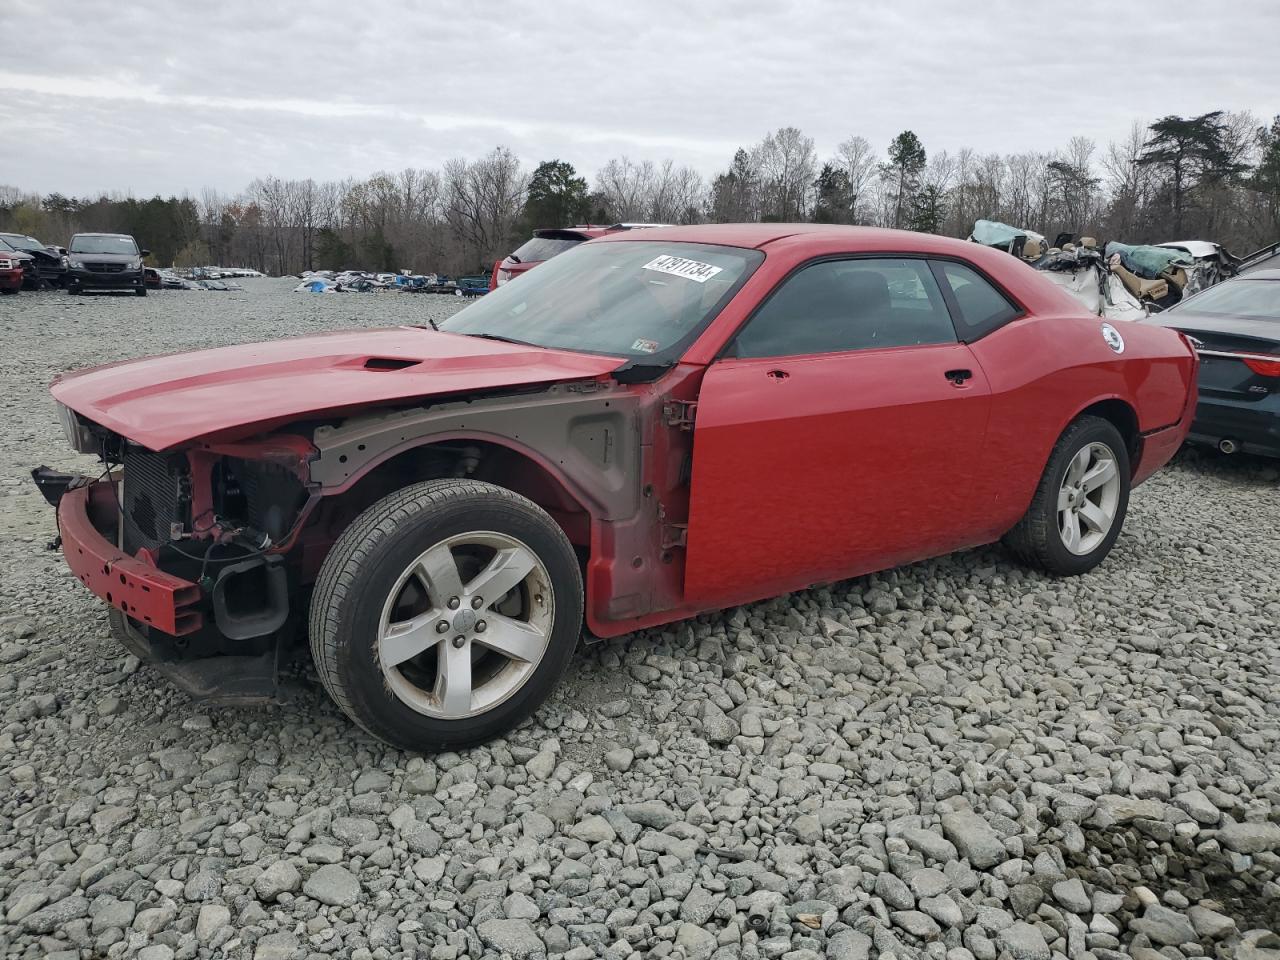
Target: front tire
[(140, 291), (446, 614), (1080, 503)]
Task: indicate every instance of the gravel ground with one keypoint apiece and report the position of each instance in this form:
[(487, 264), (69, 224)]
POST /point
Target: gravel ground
[(957, 759)]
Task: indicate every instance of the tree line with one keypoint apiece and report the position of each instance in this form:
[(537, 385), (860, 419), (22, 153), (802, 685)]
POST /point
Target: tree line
[(1215, 176)]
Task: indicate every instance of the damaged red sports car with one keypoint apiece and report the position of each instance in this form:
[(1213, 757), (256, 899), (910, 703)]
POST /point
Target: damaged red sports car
[(652, 425)]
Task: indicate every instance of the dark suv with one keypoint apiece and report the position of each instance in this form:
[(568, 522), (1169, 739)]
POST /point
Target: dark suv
[(105, 261)]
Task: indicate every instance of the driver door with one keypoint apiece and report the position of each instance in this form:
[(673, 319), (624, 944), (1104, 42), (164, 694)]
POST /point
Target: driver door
[(843, 436)]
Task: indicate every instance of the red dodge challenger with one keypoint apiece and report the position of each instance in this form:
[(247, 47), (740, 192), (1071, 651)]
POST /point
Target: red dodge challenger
[(652, 425)]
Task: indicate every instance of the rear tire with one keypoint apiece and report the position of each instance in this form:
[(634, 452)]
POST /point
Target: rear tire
[(405, 636), (1080, 504)]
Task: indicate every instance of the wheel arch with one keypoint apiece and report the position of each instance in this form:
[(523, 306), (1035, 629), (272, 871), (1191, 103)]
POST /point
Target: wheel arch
[(501, 461), (1120, 414)]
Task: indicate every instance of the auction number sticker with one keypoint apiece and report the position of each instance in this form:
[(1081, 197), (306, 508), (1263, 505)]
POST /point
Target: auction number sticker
[(645, 346), (694, 270)]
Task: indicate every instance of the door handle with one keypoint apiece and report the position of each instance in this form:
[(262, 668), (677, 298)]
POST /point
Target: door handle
[(958, 377)]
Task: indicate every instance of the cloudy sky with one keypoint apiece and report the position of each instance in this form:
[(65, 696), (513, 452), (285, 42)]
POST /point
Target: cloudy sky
[(147, 97)]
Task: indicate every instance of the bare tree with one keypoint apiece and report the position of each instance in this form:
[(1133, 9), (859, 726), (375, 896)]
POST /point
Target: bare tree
[(483, 199), (858, 160)]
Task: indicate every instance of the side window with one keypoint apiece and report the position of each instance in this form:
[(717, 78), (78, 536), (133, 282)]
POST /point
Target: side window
[(983, 308), (841, 305)]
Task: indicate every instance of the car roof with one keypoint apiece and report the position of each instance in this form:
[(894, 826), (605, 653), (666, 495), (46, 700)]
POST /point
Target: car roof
[(1197, 248), (757, 235), (129, 235)]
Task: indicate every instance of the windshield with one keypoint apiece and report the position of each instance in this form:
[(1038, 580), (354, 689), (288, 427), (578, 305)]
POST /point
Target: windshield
[(1255, 299), (20, 242), (628, 299), (543, 248), (105, 244)]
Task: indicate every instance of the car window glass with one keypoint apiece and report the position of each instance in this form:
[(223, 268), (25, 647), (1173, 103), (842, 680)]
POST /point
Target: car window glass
[(840, 305), (1255, 299), (635, 299), (982, 306)]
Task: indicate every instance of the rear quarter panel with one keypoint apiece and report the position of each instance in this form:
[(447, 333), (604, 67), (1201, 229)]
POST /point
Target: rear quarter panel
[(1045, 370)]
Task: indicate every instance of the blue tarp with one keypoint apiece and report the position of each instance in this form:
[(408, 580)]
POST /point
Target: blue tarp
[(1148, 261)]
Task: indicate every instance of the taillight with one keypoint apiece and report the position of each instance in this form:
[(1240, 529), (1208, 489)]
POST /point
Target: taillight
[(1263, 368), (503, 276)]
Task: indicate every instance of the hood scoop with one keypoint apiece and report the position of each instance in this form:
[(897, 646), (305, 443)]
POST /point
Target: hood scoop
[(388, 363)]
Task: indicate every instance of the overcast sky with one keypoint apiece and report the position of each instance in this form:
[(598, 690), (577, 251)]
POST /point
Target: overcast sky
[(151, 96)]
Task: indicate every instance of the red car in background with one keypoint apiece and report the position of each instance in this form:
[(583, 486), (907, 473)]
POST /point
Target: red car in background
[(546, 244), (657, 424), (14, 266)]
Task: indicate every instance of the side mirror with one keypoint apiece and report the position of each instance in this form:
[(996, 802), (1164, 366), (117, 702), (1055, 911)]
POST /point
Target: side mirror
[(62, 250), (146, 253)]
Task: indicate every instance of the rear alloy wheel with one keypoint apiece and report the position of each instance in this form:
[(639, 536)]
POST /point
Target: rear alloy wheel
[(1079, 506), (446, 614)]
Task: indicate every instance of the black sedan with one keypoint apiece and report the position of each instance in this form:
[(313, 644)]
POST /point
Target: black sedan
[(1237, 328)]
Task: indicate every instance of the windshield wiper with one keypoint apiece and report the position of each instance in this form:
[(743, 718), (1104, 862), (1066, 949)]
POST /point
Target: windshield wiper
[(502, 339)]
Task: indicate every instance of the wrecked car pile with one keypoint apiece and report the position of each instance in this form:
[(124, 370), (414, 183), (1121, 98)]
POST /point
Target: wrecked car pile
[(1121, 281)]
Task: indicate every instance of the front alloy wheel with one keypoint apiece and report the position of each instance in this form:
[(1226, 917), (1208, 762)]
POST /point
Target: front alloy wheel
[(465, 626), (445, 614)]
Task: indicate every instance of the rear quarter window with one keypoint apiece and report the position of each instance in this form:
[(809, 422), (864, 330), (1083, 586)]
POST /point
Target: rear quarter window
[(980, 305)]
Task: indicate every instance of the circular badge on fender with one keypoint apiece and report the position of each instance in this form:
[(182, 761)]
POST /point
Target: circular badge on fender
[(1113, 338)]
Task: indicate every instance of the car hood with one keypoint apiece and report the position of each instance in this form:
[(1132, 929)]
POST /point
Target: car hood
[(162, 402)]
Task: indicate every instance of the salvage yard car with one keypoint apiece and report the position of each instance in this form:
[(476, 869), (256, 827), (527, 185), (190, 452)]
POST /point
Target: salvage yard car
[(48, 264), (14, 266), (105, 261), (546, 244), (1236, 326), (652, 425)]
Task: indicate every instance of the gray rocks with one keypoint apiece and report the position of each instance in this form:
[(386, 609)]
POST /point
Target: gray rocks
[(697, 942), (956, 760), (973, 838), (334, 885), (849, 945), (1250, 837), (1072, 896), (281, 877), (894, 892), (212, 919), (1210, 924), (1024, 942), (51, 918), (513, 937), (1164, 926)]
